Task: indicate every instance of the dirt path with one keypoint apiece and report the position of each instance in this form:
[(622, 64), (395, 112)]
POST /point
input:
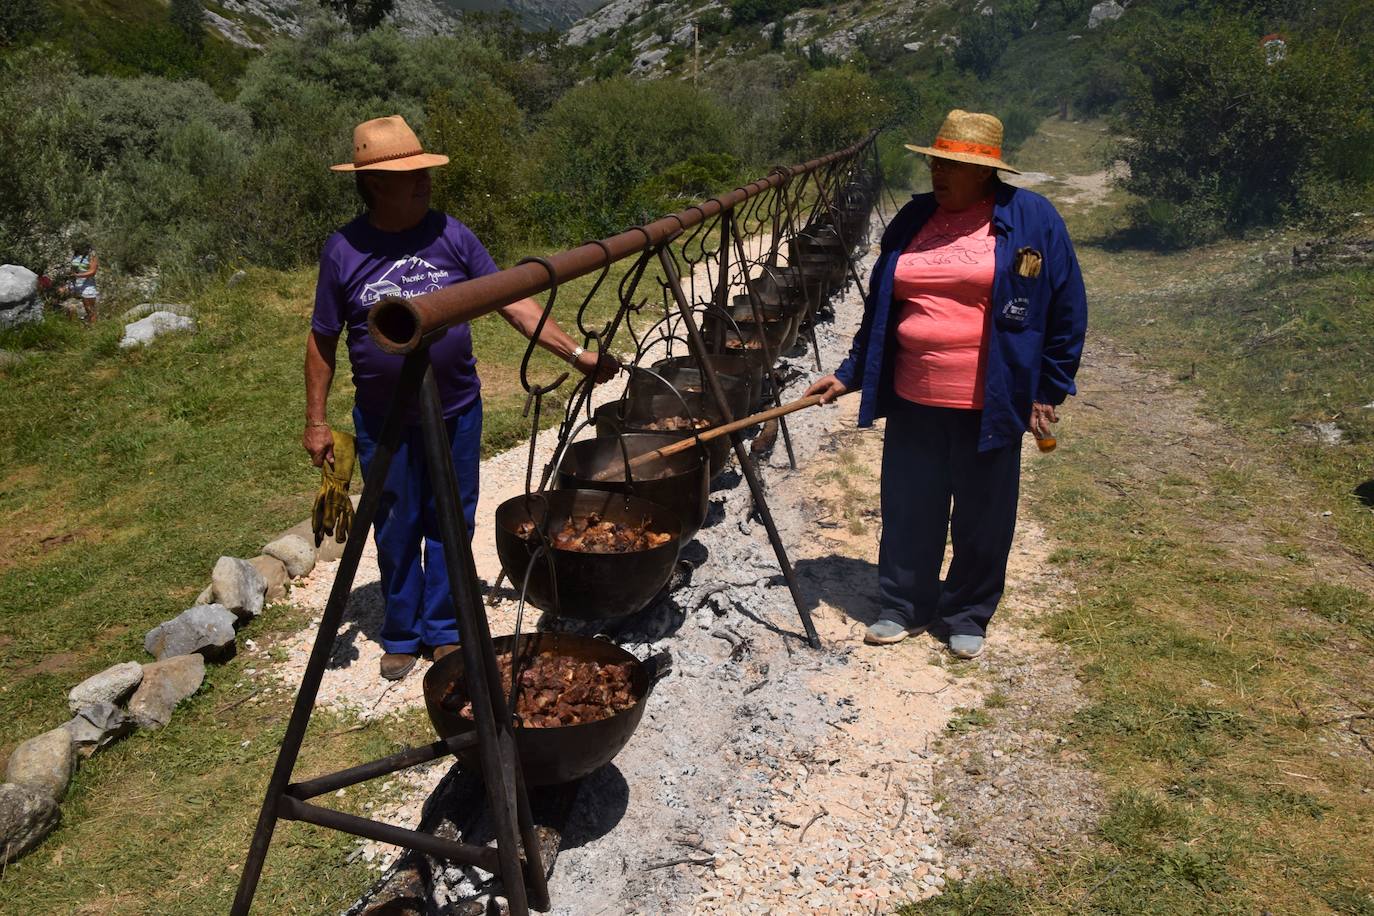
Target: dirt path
[(775, 765)]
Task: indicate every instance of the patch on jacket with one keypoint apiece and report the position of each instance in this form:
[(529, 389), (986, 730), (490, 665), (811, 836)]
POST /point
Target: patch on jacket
[(1015, 309)]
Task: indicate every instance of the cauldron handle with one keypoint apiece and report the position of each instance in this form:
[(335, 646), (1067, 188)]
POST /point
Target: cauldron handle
[(696, 433), (563, 448)]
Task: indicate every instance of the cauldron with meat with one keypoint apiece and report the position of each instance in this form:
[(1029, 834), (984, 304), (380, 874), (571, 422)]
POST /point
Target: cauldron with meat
[(580, 701), (609, 553), (679, 483), (663, 413)]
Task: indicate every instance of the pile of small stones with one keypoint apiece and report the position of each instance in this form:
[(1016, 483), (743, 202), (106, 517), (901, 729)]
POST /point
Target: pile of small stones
[(134, 695)]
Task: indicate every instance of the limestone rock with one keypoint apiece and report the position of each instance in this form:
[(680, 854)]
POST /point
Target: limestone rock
[(295, 551), (205, 628), (10, 358), (1106, 11), (43, 763), (96, 726), (26, 817), (112, 685), (19, 302), (142, 332), (239, 586), (236, 278), (273, 572), (207, 596), (165, 684)]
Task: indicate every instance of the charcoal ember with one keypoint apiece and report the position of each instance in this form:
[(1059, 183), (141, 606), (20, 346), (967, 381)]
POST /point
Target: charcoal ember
[(592, 534), (556, 691)]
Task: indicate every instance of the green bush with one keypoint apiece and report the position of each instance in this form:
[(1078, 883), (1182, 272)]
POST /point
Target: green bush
[(830, 109), (1018, 124), (748, 12), (484, 184), (1220, 140), (43, 188), (696, 177), (602, 141), (20, 19)]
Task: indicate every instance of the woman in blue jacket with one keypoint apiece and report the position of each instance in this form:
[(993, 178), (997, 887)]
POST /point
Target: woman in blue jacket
[(972, 332)]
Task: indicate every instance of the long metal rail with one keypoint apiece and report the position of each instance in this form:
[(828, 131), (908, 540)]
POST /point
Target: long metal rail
[(399, 325)]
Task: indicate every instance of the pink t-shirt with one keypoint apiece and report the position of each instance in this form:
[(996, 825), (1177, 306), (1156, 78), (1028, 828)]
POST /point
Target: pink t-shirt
[(942, 288)]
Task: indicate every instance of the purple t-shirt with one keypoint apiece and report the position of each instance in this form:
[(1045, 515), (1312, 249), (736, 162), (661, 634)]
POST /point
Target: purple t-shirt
[(360, 264)]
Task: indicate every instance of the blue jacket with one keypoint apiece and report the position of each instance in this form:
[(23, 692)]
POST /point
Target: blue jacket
[(1036, 326)]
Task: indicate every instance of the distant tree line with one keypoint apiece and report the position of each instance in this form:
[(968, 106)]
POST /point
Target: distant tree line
[(191, 178)]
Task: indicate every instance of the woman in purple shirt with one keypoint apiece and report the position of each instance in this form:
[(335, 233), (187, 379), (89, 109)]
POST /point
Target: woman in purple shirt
[(400, 247)]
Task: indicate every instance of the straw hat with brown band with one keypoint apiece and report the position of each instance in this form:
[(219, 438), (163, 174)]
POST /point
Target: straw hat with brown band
[(968, 136), (388, 145)]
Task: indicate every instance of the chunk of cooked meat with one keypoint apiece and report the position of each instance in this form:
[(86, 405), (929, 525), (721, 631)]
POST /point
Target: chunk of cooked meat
[(735, 343), (592, 534), (556, 690), (675, 424)]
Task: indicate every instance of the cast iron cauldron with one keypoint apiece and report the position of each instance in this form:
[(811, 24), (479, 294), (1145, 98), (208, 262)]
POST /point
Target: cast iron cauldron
[(617, 417), (733, 365), (678, 482), (549, 755), (683, 374), (590, 586), (778, 330)]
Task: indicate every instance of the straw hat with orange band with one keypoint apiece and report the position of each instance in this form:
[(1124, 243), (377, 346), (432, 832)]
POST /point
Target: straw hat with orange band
[(389, 145), (968, 136)]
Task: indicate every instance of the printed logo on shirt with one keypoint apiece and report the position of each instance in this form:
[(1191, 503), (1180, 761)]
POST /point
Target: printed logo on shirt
[(412, 270), (1015, 309)]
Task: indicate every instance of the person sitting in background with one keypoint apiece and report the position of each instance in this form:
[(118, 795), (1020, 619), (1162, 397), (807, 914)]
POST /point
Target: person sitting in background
[(972, 332), (400, 247)]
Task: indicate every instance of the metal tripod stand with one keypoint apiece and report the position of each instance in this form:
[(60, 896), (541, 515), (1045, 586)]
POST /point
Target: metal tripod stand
[(516, 856)]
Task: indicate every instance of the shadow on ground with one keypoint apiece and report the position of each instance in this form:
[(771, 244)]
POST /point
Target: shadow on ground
[(846, 583)]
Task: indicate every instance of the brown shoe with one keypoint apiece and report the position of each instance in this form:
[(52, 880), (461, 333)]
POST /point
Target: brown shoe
[(396, 665), (441, 651)]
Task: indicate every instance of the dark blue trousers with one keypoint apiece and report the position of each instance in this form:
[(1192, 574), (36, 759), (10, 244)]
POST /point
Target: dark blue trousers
[(930, 462), (410, 551)]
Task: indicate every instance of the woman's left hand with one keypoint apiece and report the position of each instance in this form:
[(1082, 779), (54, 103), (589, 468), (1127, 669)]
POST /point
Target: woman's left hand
[(1042, 415), (603, 365)]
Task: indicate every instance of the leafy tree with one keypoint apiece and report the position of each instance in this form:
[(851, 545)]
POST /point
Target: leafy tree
[(1220, 140), (830, 109), (361, 15), (981, 43), (602, 141), (748, 12), (483, 134), (20, 19), (188, 16)]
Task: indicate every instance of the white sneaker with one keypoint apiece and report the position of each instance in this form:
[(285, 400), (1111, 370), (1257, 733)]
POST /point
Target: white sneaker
[(966, 646), (885, 632)]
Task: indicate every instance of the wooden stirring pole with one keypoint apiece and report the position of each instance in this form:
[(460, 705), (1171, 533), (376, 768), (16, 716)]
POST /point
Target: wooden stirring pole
[(683, 445)]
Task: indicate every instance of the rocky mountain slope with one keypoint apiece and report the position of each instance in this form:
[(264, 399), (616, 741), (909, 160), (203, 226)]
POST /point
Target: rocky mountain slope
[(250, 23), (659, 34)]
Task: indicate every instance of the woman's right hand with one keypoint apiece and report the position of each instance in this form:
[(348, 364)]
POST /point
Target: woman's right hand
[(829, 388), (319, 442)]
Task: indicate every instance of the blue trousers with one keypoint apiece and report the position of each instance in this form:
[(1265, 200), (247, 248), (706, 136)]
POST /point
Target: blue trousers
[(930, 463), (410, 550)]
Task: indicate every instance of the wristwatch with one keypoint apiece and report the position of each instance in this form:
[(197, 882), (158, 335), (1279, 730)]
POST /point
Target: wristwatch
[(577, 351)]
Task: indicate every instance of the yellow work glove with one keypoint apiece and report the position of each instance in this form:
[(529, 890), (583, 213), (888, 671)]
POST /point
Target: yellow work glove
[(333, 509)]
